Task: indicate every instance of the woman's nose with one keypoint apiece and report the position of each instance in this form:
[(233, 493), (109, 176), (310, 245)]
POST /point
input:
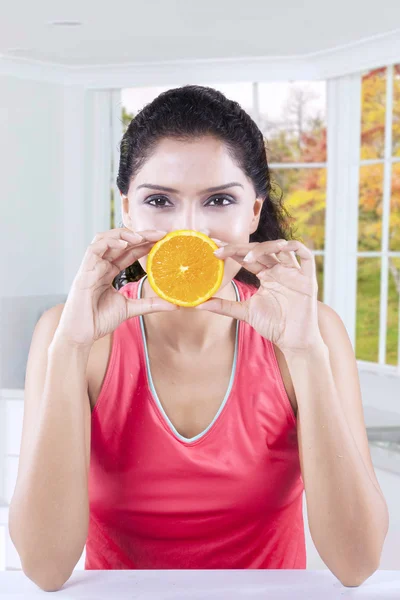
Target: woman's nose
[(193, 225)]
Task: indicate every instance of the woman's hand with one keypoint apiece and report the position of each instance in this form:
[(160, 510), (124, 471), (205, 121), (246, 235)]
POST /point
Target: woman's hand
[(284, 309), (94, 307)]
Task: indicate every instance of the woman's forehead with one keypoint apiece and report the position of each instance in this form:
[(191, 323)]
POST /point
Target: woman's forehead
[(204, 163)]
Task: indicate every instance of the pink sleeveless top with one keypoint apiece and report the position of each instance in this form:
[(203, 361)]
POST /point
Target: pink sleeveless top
[(228, 498)]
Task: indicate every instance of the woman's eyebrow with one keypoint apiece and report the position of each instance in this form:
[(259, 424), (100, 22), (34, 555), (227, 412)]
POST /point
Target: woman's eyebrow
[(172, 190)]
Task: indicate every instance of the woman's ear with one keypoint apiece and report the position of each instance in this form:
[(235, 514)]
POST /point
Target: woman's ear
[(126, 219), (258, 204)]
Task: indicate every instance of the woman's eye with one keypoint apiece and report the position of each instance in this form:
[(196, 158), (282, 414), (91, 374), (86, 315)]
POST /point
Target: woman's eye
[(162, 198), (220, 198)]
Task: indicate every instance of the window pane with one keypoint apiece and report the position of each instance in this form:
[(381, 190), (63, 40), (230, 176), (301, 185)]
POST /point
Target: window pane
[(394, 224), (293, 120), (373, 102), (368, 306), (396, 111), (304, 196), (392, 340), (370, 208)]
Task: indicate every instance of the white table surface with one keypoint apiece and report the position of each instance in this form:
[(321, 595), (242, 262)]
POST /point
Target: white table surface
[(232, 584)]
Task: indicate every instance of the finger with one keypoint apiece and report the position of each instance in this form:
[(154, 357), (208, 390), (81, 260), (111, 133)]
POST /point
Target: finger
[(241, 254), (266, 248), (126, 256), (151, 235), (142, 239), (288, 259), (269, 247), (131, 255), (219, 243), (296, 248), (262, 261), (243, 249), (284, 257), (118, 233), (250, 263), (112, 251), (228, 308), (261, 255), (96, 250), (131, 236), (144, 306), (230, 249), (121, 234), (255, 266)]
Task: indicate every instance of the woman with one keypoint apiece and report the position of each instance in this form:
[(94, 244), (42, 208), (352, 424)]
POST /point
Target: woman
[(165, 437)]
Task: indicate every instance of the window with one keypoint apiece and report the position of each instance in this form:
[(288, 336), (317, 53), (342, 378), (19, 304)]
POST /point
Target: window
[(378, 243), (292, 117)]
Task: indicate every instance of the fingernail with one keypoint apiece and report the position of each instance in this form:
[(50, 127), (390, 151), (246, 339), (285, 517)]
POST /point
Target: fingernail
[(282, 243), (160, 231), (219, 252), (249, 257)]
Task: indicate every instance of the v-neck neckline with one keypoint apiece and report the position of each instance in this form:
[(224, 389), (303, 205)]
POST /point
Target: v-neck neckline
[(153, 391)]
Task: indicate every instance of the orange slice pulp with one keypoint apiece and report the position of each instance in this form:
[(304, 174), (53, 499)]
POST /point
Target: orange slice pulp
[(182, 268)]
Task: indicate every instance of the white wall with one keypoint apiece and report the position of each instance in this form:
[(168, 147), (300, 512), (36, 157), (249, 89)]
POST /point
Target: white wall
[(55, 147), (31, 214), (55, 150), (31, 164)]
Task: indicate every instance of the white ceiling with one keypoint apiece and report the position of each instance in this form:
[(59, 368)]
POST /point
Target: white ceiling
[(123, 32)]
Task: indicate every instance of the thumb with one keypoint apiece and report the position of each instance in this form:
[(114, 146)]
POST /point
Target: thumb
[(229, 308), (145, 306)]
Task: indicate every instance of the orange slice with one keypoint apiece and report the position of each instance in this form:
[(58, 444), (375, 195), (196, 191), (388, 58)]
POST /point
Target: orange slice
[(182, 268)]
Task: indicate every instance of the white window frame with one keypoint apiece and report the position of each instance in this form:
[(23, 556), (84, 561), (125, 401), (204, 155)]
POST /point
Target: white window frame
[(384, 253)]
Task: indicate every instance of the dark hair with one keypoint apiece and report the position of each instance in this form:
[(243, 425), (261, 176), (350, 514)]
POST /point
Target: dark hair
[(193, 111)]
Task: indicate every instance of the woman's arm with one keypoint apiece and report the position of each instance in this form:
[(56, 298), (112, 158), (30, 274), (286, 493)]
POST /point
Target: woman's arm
[(347, 513), (49, 511)]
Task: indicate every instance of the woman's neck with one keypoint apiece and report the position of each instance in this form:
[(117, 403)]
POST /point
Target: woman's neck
[(189, 330)]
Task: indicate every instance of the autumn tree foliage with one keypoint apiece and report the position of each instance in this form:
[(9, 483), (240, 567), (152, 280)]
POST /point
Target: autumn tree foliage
[(373, 147)]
